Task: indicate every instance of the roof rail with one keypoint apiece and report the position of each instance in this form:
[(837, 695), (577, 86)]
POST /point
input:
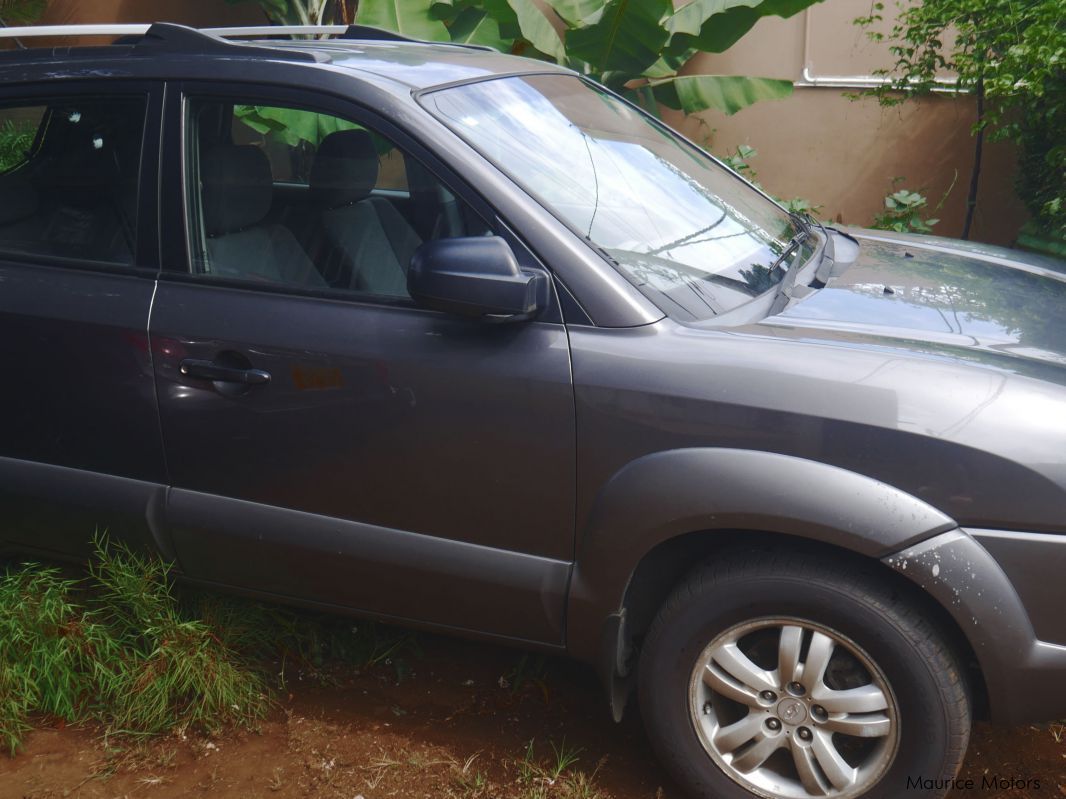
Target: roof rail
[(171, 36), (31, 31), (364, 32)]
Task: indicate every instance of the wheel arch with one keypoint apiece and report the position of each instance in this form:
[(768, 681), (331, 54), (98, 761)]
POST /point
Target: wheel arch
[(665, 512)]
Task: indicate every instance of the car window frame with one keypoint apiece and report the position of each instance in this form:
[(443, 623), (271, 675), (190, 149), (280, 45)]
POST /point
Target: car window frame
[(176, 253), (146, 261)]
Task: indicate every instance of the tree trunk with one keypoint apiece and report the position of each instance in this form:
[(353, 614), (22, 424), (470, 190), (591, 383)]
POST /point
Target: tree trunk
[(978, 149)]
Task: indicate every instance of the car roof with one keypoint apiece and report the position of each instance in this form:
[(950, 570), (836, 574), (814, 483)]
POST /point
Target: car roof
[(389, 57), (417, 65)]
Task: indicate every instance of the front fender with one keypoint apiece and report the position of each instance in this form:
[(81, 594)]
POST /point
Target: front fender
[(666, 494)]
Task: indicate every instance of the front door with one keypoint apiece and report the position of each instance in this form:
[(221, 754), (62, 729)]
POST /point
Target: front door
[(327, 440)]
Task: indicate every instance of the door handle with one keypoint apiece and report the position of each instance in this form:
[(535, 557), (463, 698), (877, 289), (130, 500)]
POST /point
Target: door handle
[(209, 370)]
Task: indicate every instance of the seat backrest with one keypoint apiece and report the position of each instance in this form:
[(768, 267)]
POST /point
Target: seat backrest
[(237, 193), (20, 229), (367, 233)]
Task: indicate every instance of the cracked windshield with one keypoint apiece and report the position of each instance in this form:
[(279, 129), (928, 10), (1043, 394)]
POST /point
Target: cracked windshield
[(694, 237)]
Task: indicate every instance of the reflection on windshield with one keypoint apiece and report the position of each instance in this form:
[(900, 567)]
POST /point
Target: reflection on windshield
[(679, 225)]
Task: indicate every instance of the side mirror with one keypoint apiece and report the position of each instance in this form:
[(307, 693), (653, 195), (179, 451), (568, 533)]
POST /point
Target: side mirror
[(474, 276)]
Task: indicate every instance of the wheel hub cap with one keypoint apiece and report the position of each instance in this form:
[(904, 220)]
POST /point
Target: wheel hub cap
[(790, 709)]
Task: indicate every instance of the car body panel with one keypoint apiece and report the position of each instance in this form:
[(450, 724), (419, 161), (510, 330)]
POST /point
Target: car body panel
[(422, 65), (54, 511), (387, 573), (74, 344), (965, 306), (367, 408), (871, 421), (673, 493), (934, 427), (80, 415), (1023, 674), (1035, 565)]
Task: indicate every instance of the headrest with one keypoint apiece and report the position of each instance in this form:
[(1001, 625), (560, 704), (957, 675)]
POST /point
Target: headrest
[(345, 168), (18, 199), (238, 187)]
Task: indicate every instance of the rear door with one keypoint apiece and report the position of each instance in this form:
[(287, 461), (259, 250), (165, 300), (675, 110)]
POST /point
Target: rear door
[(80, 447), (360, 452)]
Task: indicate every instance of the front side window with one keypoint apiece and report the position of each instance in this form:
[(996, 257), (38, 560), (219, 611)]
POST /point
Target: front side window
[(69, 174), (683, 228), (301, 199)]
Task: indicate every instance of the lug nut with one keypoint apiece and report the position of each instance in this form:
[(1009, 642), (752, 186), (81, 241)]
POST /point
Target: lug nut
[(768, 696), (819, 712), (796, 689), (773, 724), (804, 734)]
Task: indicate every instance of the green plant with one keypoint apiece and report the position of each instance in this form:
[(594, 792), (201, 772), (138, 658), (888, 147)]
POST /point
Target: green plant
[(55, 657), (905, 211), (309, 641), (563, 758), (176, 673), (634, 47), (740, 162), (1012, 55), (556, 777), (21, 12), (16, 139), (114, 648)]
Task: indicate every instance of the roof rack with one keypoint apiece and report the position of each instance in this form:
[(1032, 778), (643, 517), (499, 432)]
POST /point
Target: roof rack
[(173, 37), (364, 32)]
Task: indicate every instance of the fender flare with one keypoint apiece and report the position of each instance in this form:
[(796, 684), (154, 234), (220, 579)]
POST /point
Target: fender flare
[(670, 493)]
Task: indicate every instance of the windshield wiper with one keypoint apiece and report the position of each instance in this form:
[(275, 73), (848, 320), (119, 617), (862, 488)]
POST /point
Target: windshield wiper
[(788, 282), (802, 234)]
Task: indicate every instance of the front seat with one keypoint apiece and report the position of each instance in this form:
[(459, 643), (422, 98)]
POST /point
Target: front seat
[(368, 234), (238, 190)]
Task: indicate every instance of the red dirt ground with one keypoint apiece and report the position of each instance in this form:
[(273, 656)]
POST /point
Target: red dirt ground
[(448, 729)]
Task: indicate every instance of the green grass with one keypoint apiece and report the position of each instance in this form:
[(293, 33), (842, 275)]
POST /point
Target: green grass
[(115, 648), (555, 777), (121, 647)]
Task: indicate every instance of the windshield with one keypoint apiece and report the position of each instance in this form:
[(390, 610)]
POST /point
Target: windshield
[(694, 237)]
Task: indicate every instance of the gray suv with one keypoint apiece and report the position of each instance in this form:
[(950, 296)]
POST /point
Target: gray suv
[(466, 342)]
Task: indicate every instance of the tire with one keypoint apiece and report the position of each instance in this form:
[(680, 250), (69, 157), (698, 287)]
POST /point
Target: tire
[(712, 731)]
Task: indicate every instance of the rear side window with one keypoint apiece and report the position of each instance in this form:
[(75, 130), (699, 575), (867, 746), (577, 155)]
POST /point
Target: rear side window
[(69, 174)]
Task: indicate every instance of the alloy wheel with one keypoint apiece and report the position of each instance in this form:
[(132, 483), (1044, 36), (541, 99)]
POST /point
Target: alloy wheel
[(789, 708)]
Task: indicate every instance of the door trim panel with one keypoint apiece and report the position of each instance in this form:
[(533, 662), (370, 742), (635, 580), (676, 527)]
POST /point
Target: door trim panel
[(437, 582), (43, 503)]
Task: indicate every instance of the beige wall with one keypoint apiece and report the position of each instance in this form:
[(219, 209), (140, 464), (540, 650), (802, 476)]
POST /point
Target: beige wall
[(843, 153)]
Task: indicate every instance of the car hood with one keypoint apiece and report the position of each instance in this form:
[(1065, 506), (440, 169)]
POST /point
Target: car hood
[(953, 298)]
